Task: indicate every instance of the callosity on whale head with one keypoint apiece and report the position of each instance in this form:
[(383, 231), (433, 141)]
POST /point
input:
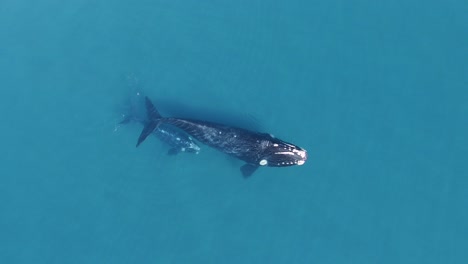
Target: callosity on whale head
[(281, 154), (192, 148)]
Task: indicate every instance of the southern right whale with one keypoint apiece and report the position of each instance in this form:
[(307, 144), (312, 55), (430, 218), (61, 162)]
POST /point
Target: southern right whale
[(256, 149)]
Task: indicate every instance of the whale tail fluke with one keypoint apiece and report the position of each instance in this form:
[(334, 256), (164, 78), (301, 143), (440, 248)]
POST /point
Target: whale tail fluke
[(152, 123)]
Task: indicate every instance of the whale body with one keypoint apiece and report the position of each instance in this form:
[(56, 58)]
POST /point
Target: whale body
[(255, 148)]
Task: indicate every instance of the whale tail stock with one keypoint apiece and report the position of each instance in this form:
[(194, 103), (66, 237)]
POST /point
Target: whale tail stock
[(152, 122)]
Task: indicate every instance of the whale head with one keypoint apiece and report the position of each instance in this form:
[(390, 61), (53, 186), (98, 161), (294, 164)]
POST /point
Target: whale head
[(192, 147), (281, 154)]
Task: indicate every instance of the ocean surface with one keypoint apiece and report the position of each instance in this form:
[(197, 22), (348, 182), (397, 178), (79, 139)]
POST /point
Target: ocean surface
[(376, 91)]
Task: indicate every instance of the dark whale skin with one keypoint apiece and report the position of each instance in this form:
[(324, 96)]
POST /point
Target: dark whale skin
[(256, 149)]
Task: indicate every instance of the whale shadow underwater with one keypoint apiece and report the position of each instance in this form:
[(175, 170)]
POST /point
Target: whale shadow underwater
[(254, 148)]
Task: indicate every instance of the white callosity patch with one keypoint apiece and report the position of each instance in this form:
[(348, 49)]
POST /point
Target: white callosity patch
[(195, 147), (302, 153), (292, 155), (263, 162), (264, 144)]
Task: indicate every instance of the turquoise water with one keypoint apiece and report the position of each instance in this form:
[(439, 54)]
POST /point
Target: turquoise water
[(375, 91)]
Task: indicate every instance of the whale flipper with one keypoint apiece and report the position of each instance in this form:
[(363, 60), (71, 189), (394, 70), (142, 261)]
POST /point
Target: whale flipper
[(248, 169)]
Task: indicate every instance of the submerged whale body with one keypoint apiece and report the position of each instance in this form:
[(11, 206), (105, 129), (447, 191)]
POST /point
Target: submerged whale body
[(175, 138), (256, 149), (178, 140)]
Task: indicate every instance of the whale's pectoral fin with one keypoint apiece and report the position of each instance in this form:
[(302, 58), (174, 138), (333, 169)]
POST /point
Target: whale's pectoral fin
[(173, 151), (248, 169)]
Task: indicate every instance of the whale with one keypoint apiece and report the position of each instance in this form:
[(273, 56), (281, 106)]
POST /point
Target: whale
[(256, 149)]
